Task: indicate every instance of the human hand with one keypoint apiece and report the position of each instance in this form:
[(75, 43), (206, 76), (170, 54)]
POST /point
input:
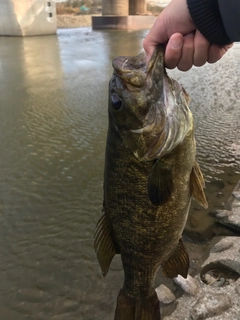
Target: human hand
[(186, 46), (190, 50)]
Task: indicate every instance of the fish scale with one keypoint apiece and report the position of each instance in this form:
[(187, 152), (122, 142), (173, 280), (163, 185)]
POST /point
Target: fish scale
[(150, 176)]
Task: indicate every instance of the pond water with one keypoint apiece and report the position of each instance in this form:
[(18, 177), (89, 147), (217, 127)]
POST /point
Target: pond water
[(53, 123)]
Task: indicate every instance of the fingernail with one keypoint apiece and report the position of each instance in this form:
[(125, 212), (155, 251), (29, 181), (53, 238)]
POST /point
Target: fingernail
[(176, 43)]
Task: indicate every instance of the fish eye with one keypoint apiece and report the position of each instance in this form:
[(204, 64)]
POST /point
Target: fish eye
[(116, 101)]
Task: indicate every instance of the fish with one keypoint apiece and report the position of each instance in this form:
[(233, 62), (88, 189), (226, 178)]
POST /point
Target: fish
[(150, 177)]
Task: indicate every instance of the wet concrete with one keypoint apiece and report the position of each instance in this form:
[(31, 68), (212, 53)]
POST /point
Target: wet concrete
[(53, 102)]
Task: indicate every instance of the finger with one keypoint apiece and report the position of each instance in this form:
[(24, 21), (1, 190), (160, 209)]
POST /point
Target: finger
[(186, 61), (173, 51), (216, 52), (149, 49), (156, 35), (150, 44), (201, 47)]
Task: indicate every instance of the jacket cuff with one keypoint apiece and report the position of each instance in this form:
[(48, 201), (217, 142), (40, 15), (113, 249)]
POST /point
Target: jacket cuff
[(207, 19)]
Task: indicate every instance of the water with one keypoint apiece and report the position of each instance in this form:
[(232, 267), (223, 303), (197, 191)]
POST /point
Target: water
[(53, 122)]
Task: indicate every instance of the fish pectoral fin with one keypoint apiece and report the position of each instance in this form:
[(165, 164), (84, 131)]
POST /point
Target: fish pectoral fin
[(178, 263), (160, 184), (104, 245), (196, 186)]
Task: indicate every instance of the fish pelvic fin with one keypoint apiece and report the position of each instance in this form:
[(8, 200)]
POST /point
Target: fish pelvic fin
[(178, 263), (196, 186), (140, 308), (104, 245), (160, 184)]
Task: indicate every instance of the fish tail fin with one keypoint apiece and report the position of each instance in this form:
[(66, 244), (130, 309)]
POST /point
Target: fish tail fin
[(131, 308)]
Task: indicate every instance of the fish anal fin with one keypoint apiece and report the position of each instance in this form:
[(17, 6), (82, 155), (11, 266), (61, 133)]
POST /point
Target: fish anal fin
[(137, 308), (178, 263), (196, 186), (160, 184), (104, 245)]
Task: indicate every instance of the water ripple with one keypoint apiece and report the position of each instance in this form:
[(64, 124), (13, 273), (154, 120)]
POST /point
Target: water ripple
[(53, 113)]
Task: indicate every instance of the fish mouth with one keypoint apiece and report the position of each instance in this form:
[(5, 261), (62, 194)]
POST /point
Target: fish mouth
[(131, 70), (125, 64), (135, 71)]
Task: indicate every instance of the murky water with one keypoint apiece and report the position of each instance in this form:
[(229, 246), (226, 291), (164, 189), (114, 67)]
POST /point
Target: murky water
[(53, 121)]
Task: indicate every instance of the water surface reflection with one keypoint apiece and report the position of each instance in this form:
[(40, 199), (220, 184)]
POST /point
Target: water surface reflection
[(53, 100)]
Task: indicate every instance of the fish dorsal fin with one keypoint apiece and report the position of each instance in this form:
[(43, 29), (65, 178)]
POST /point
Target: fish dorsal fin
[(196, 186), (178, 263), (104, 245), (160, 184)]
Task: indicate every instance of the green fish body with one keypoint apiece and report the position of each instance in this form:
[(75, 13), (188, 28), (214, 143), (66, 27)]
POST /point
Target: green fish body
[(150, 176)]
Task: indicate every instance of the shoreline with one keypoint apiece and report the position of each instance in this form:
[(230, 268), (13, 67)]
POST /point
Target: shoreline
[(71, 21), (78, 21)]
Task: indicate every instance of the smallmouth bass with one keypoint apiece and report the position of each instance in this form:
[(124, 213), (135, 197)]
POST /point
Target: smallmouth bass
[(150, 176)]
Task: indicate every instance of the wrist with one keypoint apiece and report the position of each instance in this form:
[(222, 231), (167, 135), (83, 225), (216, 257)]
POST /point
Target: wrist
[(207, 19)]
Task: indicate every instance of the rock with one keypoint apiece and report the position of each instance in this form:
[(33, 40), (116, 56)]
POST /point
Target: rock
[(220, 195), (189, 285), (165, 295), (236, 194), (225, 258), (221, 230), (223, 245), (222, 213), (219, 282), (209, 279), (210, 305), (238, 289), (212, 281), (231, 215), (217, 291)]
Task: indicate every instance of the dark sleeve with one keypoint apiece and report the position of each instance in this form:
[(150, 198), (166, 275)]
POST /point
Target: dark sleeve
[(230, 12), (217, 20)]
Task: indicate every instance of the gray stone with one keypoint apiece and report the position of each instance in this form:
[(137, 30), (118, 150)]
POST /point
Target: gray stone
[(165, 295), (223, 245), (189, 285), (236, 194), (228, 258), (231, 215), (213, 281), (219, 282), (218, 279), (210, 305), (238, 289), (222, 213)]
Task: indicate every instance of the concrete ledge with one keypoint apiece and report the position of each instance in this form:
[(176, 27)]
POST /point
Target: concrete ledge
[(122, 22), (27, 17)]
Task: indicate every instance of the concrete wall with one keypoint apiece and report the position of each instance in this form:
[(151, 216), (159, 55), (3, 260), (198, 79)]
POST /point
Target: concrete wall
[(134, 22), (162, 3), (115, 7), (137, 7), (27, 17)]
